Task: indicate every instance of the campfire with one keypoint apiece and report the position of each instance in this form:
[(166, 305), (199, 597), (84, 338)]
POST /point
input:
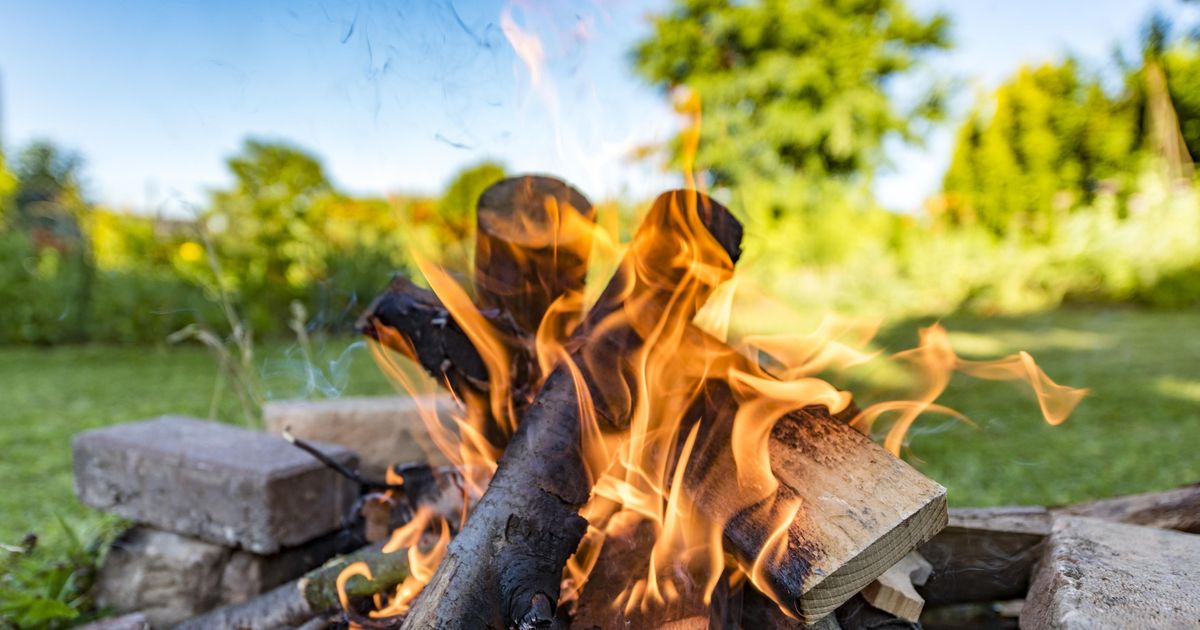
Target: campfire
[(619, 461)]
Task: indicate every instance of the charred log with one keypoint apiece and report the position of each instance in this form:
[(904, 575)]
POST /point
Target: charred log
[(503, 569), (533, 235)]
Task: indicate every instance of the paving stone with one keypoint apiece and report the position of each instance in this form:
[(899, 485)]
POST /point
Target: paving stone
[(132, 621), (166, 576), (215, 482), (382, 430), (1098, 574), (169, 578)]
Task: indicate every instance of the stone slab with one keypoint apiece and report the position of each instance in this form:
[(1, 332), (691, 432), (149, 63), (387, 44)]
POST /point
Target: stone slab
[(1098, 574), (219, 483), (383, 430), (169, 578)]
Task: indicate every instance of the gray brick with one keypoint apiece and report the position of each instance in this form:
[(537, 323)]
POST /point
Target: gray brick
[(382, 430), (171, 578), (216, 482)]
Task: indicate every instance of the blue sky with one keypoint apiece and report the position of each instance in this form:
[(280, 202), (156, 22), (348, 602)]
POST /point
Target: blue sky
[(397, 96)]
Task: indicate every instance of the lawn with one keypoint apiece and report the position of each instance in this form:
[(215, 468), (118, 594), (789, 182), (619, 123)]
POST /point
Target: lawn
[(1137, 431), (50, 394)]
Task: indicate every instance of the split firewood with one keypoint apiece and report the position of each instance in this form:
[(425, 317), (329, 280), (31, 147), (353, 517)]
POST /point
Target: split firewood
[(893, 591), (875, 547), (855, 510), (745, 536), (504, 567)]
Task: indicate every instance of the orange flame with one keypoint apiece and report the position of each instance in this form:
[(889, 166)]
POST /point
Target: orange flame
[(639, 470), (935, 361), (642, 436)]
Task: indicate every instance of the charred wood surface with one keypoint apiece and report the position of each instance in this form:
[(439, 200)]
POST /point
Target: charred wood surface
[(314, 594), (532, 241)]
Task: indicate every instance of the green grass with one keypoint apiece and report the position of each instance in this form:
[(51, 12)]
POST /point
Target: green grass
[(50, 394), (1138, 430)]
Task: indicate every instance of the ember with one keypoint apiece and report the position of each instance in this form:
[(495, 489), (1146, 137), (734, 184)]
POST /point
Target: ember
[(632, 464)]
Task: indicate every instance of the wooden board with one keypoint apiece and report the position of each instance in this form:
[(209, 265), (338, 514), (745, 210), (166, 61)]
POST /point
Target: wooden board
[(861, 509), (1097, 574), (895, 591)]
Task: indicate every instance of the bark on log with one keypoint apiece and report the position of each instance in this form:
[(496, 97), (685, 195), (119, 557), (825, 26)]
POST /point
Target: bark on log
[(412, 321), (314, 594), (503, 569), (532, 240)]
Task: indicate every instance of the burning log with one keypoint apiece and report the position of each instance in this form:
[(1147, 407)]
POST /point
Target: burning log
[(844, 512), (313, 595), (532, 240), (816, 456), (420, 327), (504, 567)]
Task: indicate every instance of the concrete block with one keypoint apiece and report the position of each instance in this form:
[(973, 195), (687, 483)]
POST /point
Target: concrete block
[(383, 431), (219, 483), (169, 578), (1098, 574)]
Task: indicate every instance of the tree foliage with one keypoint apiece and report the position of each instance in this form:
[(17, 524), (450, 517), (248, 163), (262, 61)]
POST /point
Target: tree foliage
[(791, 86), (1053, 137)]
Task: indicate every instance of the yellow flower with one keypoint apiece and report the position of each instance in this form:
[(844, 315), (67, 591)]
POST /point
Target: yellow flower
[(191, 251)]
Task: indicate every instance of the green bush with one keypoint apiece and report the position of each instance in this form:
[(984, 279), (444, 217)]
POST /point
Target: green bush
[(898, 266), (50, 586)]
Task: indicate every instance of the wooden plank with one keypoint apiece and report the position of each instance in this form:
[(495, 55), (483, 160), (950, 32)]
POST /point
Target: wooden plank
[(860, 509), (1097, 574), (894, 591)]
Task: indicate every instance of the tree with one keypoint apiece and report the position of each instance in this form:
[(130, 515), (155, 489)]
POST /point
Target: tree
[(49, 194), (443, 229), (50, 205), (8, 186), (1151, 84), (1052, 138), (793, 86), (268, 228)]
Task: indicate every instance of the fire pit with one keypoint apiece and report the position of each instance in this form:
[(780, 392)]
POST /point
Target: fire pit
[(649, 468), (626, 466)]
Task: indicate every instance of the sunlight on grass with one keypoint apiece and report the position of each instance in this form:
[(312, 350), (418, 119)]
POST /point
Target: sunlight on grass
[(1182, 389)]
